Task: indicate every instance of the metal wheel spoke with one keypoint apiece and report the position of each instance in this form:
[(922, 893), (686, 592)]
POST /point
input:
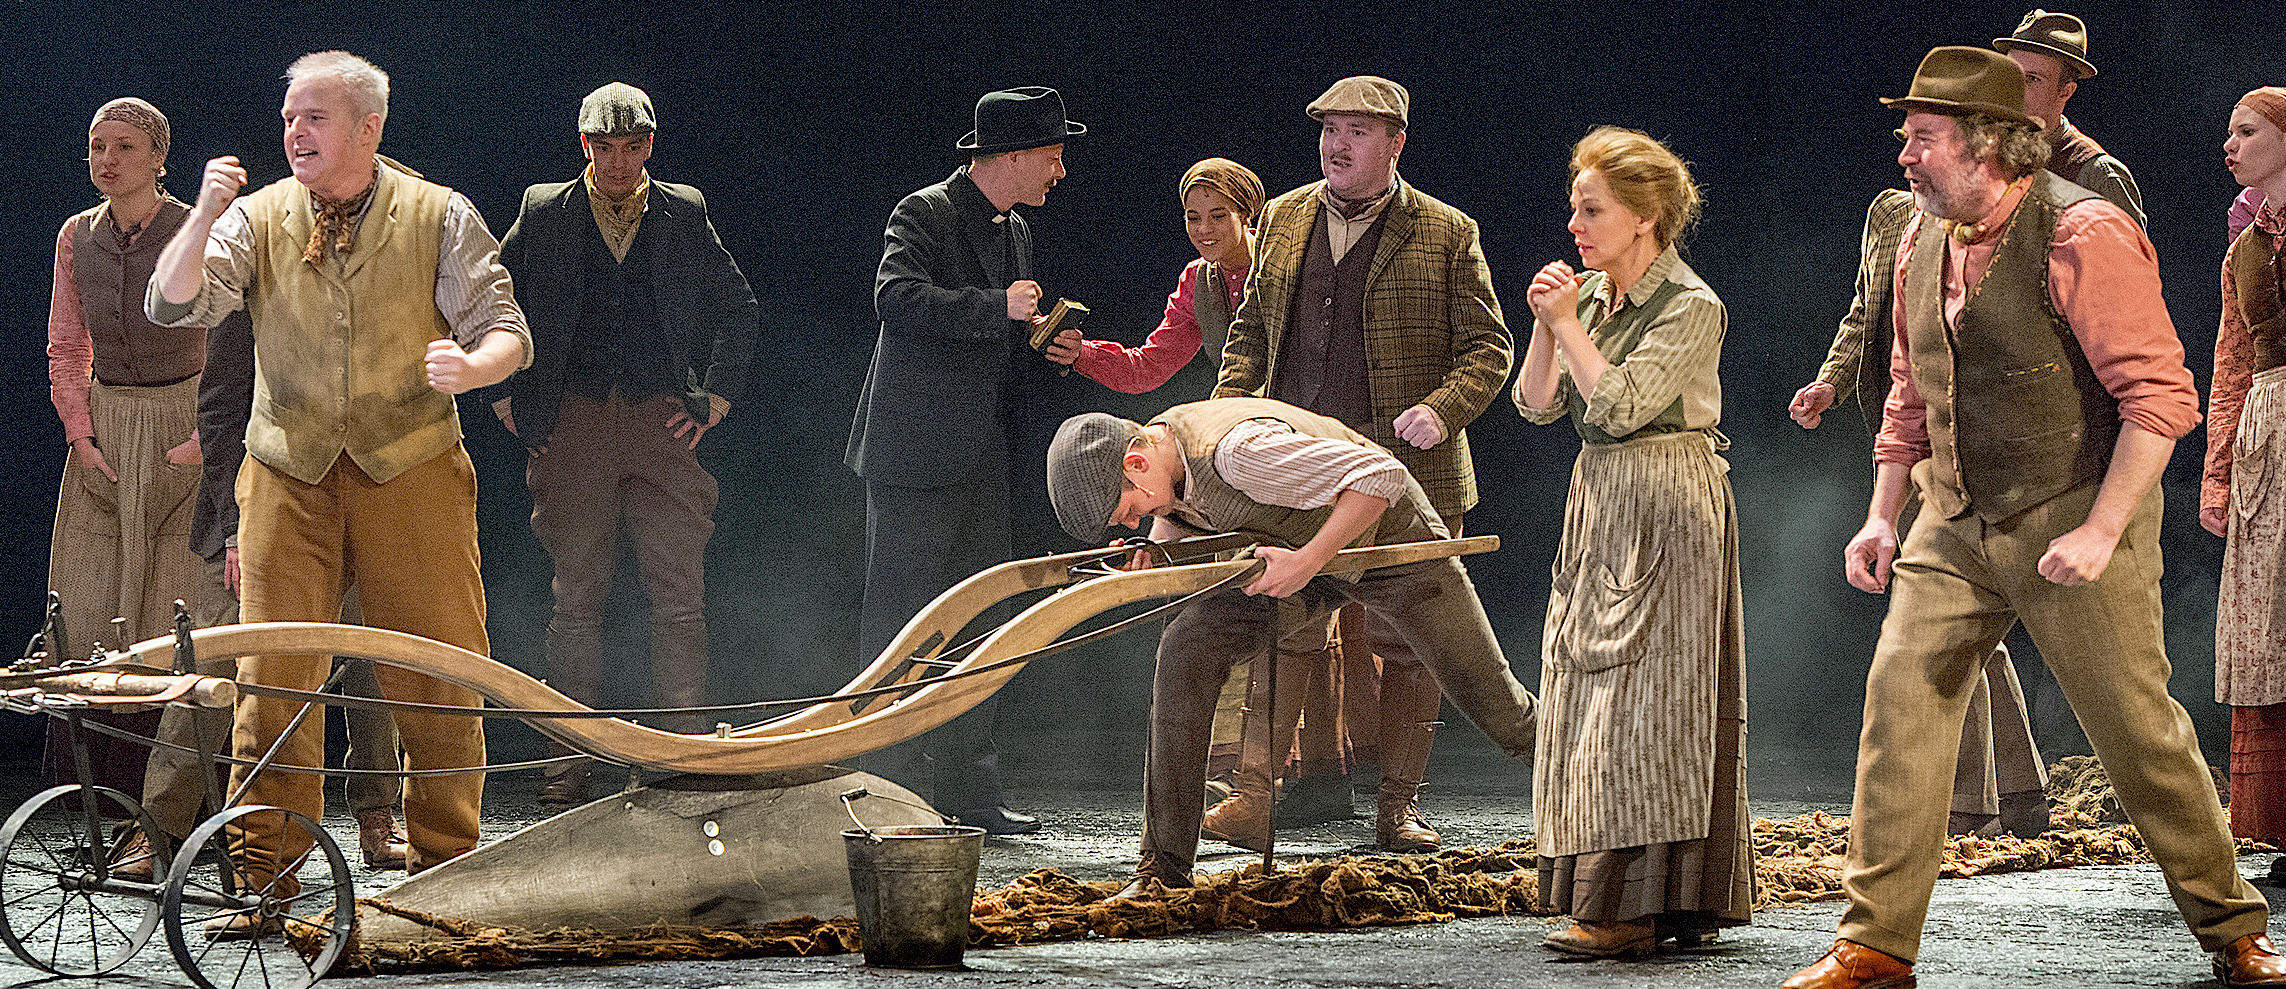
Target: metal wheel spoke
[(46, 919)]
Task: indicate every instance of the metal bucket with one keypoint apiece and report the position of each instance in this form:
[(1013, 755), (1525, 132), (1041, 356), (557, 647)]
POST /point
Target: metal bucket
[(913, 887)]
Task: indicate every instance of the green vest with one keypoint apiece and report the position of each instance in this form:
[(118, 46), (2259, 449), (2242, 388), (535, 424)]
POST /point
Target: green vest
[(339, 346), (1210, 504), (2016, 415), (1615, 339)]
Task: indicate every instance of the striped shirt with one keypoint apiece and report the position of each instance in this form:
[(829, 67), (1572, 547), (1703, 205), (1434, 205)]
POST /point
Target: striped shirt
[(473, 291), (1268, 461)]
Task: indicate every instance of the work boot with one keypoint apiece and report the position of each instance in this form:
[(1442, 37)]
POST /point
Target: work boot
[(2025, 813), (380, 839), (1406, 692), (678, 659), (1243, 819), (567, 788), (135, 860)]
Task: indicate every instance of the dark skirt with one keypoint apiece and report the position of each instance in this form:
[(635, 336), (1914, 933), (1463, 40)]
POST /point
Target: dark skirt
[(2258, 773)]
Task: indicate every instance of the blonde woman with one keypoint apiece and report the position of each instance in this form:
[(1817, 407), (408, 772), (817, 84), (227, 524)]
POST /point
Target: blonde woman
[(1638, 792)]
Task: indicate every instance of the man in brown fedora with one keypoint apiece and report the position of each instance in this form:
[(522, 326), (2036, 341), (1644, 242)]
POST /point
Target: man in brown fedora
[(945, 401), (2052, 49), (1371, 303), (2035, 415)]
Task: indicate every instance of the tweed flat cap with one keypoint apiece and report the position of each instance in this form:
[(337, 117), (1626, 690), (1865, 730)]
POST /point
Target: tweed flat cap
[(1084, 477), (1372, 96), (2057, 35), (617, 108)]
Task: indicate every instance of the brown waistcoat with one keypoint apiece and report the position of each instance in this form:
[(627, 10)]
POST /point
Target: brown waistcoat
[(2016, 414), (129, 348), (1324, 364), (2258, 275)]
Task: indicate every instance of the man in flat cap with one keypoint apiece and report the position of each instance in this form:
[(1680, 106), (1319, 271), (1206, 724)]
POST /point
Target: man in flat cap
[(1371, 303), (2052, 49), (644, 327), (376, 297), (2035, 414), (944, 403), (1305, 486)]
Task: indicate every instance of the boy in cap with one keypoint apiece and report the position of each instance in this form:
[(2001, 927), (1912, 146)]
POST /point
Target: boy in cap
[(644, 328), (1306, 486)]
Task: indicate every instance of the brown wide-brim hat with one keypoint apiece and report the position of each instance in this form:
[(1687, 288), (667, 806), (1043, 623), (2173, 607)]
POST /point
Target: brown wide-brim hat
[(2059, 35), (1958, 81), (1018, 119)]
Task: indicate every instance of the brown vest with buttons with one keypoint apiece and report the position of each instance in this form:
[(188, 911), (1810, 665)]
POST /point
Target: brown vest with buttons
[(1321, 365), (129, 348), (2016, 415)]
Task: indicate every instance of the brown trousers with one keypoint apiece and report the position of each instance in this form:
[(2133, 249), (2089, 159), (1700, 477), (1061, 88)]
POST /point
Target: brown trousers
[(612, 465), (410, 547), (1957, 586)]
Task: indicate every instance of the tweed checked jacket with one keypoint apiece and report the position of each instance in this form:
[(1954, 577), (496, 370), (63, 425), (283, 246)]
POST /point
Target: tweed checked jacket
[(1433, 329)]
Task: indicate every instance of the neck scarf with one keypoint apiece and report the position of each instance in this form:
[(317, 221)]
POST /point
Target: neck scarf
[(336, 225), (618, 219)]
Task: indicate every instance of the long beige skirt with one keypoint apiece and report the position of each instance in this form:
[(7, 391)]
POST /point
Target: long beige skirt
[(122, 550), (2250, 609), (1639, 788)]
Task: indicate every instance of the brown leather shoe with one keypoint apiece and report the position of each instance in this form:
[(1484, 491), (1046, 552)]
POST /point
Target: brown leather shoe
[(1621, 939), (1850, 965), (567, 788), (1242, 820), (2250, 961), (381, 841), (1401, 828), (135, 860)]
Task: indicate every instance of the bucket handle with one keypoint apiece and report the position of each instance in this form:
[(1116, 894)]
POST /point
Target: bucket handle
[(849, 800)]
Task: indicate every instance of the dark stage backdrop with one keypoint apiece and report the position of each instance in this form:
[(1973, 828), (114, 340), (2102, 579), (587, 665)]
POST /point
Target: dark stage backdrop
[(805, 123)]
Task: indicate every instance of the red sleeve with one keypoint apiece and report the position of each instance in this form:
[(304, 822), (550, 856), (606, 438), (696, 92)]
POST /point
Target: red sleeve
[(1135, 370), (2103, 276), (1904, 437), (2234, 374), (71, 351)]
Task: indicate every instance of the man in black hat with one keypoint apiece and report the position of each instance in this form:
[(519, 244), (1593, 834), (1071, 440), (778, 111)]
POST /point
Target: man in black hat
[(2035, 413), (944, 400), (2052, 49), (643, 328)]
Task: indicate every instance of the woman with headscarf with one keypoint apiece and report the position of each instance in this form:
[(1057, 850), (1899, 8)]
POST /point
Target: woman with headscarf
[(1638, 787), (1220, 199), (2240, 498), (127, 394)]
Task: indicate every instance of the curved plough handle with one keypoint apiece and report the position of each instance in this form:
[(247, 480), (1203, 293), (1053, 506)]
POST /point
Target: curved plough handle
[(824, 732)]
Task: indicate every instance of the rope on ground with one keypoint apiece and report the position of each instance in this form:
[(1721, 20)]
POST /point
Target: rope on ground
[(1798, 860)]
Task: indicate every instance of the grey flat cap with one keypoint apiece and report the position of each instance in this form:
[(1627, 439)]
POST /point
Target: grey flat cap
[(1371, 96), (1084, 477), (617, 108)]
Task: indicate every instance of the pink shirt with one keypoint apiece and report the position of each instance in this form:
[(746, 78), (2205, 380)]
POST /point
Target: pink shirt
[(2243, 209), (71, 350), (1135, 370), (2103, 277)]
